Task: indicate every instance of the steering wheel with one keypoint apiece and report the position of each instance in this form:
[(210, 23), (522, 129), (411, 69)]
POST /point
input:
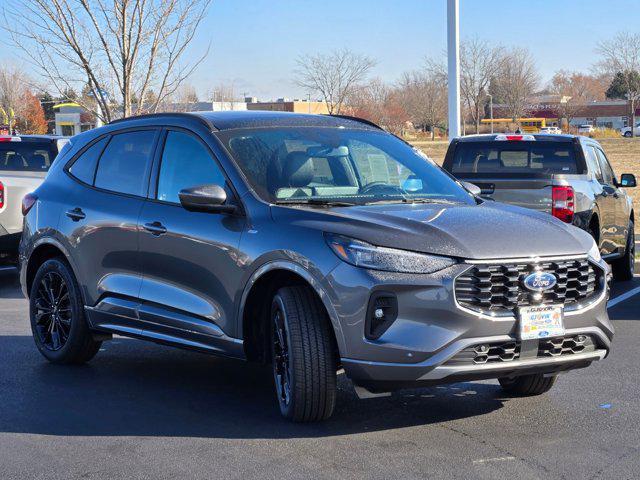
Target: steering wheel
[(381, 188)]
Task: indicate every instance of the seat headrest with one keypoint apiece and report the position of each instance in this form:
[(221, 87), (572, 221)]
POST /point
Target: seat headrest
[(38, 161), (297, 170)]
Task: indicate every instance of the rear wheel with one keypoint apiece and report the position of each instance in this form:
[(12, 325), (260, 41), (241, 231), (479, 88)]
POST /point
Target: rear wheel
[(303, 355), (57, 315), (527, 385), (627, 134), (623, 268)]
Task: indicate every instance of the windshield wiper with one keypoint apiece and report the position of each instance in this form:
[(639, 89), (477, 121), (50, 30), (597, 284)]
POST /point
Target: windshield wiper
[(412, 201), (315, 201)]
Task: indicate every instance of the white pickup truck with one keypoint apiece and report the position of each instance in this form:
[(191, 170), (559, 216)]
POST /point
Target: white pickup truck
[(24, 162)]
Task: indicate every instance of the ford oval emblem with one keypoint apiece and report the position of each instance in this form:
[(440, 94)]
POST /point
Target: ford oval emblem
[(540, 281)]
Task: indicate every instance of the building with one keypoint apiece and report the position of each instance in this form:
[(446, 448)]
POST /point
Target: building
[(286, 105), (71, 119)]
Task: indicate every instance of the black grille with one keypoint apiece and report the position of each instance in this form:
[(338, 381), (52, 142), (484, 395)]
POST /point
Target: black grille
[(498, 289), (505, 352)]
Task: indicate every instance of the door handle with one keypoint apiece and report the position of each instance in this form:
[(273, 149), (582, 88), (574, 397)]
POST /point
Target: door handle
[(76, 214), (156, 228)]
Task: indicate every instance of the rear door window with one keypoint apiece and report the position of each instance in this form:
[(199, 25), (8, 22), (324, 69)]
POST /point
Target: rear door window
[(26, 156), (607, 172), (498, 158), (125, 162), (592, 160), (84, 168)]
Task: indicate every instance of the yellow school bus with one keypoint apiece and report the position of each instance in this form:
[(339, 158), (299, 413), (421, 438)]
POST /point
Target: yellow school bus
[(528, 125)]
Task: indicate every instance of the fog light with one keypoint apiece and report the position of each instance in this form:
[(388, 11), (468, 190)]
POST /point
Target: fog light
[(381, 313)]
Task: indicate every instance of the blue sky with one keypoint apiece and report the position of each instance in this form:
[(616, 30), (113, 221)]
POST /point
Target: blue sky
[(254, 43)]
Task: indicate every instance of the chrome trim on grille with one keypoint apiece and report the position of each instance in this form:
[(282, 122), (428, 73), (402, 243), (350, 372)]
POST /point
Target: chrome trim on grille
[(502, 261)]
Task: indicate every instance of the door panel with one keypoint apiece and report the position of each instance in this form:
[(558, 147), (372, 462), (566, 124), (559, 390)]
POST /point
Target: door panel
[(190, 261), (604, 201), (618, 223)]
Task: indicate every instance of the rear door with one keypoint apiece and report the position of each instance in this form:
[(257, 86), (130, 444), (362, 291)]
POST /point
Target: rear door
[(100, 220), (619, 221), (190, 261)]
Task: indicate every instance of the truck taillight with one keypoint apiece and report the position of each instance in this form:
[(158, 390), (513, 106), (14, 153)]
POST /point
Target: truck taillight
[(28, 202), (1, 195), (563, 203)]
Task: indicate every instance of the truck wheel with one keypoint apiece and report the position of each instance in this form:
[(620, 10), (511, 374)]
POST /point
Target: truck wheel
[(57, 316), (623, 267), (303, 355), (527, 385)]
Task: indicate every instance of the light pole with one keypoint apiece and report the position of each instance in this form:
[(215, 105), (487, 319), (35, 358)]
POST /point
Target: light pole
[(453, 63), (491, 109), (309, 102)]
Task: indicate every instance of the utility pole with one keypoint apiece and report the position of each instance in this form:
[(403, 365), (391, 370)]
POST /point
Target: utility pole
[(309, 101), (453, 63)]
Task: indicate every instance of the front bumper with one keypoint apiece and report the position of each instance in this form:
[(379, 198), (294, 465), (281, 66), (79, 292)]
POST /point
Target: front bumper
[(432, 329)]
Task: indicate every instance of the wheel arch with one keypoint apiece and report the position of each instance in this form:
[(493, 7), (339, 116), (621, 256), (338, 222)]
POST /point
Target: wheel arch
[(260, 288), (44, 249)]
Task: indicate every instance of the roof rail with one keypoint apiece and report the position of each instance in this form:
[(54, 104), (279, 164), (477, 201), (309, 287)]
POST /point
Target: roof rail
[(357, 119), (190, 115)]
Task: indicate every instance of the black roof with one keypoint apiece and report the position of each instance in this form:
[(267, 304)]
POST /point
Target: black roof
[(257, 118), (37, 138)]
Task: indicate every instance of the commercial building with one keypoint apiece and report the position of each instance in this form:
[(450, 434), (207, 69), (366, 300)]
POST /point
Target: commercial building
[(71, 119), (286, 105)]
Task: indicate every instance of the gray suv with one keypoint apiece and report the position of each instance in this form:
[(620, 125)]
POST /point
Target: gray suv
[(312, 243)]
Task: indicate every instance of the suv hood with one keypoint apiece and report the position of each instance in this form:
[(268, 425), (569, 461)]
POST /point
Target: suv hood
[(487, 231)]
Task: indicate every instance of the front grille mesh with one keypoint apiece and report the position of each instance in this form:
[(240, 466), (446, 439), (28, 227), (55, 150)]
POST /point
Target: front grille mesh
[(497, 289)]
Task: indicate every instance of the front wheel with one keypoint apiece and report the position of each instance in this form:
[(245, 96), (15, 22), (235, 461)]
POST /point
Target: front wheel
[(303, 355), (627, 134), (57, 315), (623, 268), (527, 385)]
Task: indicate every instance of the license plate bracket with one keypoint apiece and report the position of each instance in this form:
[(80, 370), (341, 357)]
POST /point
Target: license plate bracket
[(540, 321)]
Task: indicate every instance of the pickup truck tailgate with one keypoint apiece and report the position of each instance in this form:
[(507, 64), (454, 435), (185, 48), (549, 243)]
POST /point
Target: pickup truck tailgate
[(528, 193), (16, 185)]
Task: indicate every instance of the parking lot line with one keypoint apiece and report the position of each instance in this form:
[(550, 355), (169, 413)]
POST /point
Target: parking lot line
[(621, 298)]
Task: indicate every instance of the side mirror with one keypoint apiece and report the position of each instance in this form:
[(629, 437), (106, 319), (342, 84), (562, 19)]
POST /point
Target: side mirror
[(205, 198), (473, 188), (627, 180)]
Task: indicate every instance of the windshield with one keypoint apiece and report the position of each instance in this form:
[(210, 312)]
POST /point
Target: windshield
[(508, 158), (26, 156), (323, 165)]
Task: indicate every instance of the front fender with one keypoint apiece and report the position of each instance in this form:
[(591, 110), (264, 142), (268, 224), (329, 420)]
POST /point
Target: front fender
[(314, 280)]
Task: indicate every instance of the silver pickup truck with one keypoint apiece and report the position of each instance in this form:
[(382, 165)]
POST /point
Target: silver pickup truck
[(24, 162), (566, 176)]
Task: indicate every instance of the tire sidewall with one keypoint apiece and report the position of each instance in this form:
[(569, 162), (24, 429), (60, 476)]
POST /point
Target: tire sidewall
[(278, 304), (78, 326)]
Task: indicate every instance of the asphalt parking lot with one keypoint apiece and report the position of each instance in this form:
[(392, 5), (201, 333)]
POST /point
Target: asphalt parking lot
[(145, 411)]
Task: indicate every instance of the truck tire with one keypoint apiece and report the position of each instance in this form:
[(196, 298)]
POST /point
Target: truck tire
[(527, 385), (303, 355), (56, 311), (623, 267)]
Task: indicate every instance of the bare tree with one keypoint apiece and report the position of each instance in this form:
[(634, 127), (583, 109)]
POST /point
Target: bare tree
[(515, 82), (13, 87), (479, 63), (621, 58), (574, 90), (424, 96), (380, 103), (120, 49), (334, 76)]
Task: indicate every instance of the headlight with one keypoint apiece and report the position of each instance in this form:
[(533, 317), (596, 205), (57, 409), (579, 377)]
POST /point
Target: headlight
[(365, 255), (594, 252)]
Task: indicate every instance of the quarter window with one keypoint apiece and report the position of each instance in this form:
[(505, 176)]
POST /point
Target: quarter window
[(186, 162), (84, 168), (125, 162)]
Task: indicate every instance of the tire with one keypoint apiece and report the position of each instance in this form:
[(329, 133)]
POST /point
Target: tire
[(623, 268), (306, 390), (61, 335), (527, 385), (627, 134)]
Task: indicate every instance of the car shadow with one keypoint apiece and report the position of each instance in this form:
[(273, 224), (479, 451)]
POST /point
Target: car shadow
[(10, 284), (137, 389)]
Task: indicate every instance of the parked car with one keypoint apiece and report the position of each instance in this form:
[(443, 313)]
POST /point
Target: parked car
[(24, 162), (566, 176), (626, 131), (313, 243), (553, 130), (586, 129)]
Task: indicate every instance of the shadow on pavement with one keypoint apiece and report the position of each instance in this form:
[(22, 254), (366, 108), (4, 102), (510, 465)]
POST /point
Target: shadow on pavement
[(135, 389), (10, 284)]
